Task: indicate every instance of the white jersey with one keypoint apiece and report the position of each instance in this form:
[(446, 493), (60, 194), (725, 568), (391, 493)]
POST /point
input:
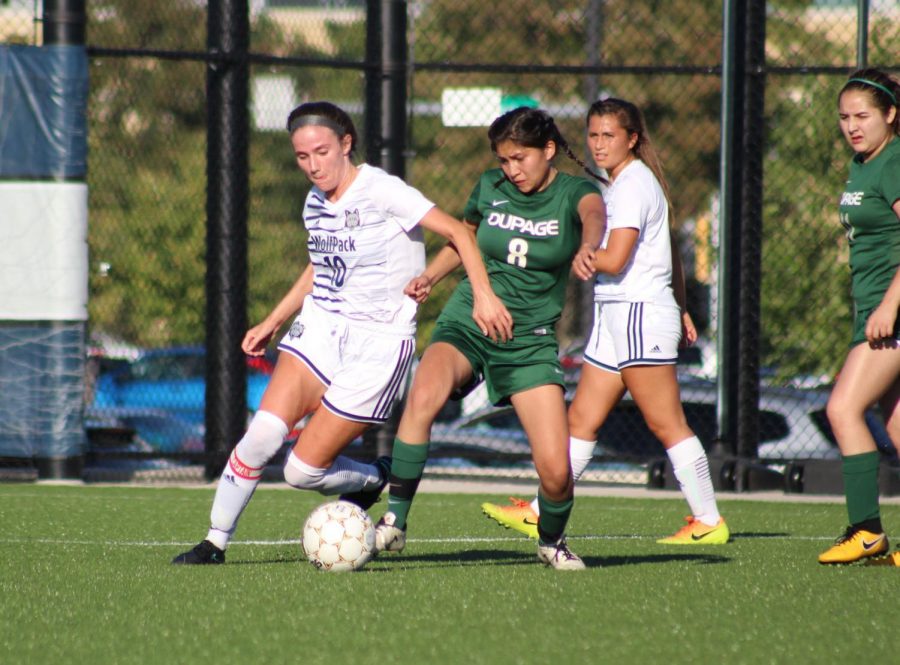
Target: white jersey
[(366, 247), (635, 200)]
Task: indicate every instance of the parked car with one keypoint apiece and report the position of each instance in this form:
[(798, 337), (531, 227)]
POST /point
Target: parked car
[(130, 429), (792, 425), (171, 380)]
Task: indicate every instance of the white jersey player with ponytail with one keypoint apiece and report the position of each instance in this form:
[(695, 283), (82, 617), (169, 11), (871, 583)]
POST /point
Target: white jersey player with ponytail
[(346, 355)]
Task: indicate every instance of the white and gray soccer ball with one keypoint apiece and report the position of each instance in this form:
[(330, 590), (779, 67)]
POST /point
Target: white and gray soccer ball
[(339, 536)]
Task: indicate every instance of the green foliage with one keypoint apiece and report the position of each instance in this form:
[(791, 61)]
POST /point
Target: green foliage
[(147, 121)]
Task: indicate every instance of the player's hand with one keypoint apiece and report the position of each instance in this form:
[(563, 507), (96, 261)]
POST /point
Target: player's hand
[(880, 324), (583, 263), (257, 338), (419, 288), (492, 318), (688, 330)]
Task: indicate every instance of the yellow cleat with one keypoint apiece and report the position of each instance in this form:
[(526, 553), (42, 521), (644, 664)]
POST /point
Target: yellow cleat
[(892, 559), (855, 545), (696, 532), (520, 516)]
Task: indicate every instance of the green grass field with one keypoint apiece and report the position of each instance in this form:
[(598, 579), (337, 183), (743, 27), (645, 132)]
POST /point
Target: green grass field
[(86, 579)]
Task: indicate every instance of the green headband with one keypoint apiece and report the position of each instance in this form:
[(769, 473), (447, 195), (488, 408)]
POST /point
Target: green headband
[(884, 89)]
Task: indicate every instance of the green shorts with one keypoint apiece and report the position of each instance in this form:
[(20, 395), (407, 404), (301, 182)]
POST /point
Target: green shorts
[(859, 327), (526, 361)]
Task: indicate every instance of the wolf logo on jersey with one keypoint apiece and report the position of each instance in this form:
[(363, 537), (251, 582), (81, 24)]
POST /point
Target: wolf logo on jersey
[(351, 218)]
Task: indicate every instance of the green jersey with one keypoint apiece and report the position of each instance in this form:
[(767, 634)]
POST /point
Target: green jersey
[(527, 243), (872, 226)]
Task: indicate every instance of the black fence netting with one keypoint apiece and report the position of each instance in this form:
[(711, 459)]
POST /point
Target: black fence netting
[(466, 62)]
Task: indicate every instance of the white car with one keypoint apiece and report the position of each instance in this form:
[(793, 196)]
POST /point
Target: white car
[(792, 426)]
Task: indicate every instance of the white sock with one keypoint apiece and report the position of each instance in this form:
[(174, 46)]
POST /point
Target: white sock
[(692, 472), (241, 475), (581, 452), (345, 475)]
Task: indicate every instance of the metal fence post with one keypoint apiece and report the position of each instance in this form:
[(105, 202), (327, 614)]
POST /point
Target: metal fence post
[(862, 33), (228, 39), (743, 91)]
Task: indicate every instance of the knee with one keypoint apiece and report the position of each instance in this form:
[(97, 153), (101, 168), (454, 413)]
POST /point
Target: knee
[(556, 482), (838, 411), (425, 401), (262, 439), (301, 475)]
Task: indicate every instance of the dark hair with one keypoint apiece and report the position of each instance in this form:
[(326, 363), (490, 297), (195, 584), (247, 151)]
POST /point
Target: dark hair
[(632, 120), (324, 114), (884, 91), (532, 128)]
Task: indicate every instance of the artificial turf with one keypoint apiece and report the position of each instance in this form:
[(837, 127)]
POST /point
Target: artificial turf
[(85, 578)]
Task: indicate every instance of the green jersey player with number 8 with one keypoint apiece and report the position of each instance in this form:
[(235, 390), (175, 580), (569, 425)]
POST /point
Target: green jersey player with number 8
[(531, 221)]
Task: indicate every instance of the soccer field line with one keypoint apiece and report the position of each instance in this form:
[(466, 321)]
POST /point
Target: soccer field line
[(437, 541)]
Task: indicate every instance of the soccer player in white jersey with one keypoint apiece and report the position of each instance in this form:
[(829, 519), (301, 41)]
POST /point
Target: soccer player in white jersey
[(347, 353), (638, 325)]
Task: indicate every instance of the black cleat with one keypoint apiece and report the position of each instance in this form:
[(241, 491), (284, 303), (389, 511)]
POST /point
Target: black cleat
[(365, 499), (203, 553)]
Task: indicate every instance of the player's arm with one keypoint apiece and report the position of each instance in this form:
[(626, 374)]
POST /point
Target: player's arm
[(619, 247), (592, 212), (256, 339), (880, 324), (688, 329), (488, 311), (445, 261)]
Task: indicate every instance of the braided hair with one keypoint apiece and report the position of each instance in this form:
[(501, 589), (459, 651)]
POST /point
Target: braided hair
[(532, 128)]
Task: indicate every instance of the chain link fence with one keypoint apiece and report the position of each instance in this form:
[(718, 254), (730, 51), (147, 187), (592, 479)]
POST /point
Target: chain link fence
[(467, 62)]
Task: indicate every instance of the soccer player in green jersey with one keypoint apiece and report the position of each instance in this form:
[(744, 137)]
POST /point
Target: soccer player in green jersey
[(870, 211), (531, 221)]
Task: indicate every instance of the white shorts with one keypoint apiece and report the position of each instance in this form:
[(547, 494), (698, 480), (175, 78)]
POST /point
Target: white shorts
[(633, 333), (365, 369)]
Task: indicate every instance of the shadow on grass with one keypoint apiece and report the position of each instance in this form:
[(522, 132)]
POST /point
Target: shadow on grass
[(462, 558), (262, 562), (611, 561), (754, 535)]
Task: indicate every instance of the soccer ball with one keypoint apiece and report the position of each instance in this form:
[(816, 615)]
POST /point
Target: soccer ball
[(339, 536)]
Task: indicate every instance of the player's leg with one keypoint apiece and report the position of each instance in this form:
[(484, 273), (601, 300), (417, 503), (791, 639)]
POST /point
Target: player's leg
[(654, 389), (867, 375), (292, 393), (890, 410), (442, 370), (365, 385), (542, 411), (599, 390)]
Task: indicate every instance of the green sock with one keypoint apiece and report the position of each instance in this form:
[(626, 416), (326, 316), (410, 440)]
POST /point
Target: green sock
[(407, 466), (553, 518), (861, 486)]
